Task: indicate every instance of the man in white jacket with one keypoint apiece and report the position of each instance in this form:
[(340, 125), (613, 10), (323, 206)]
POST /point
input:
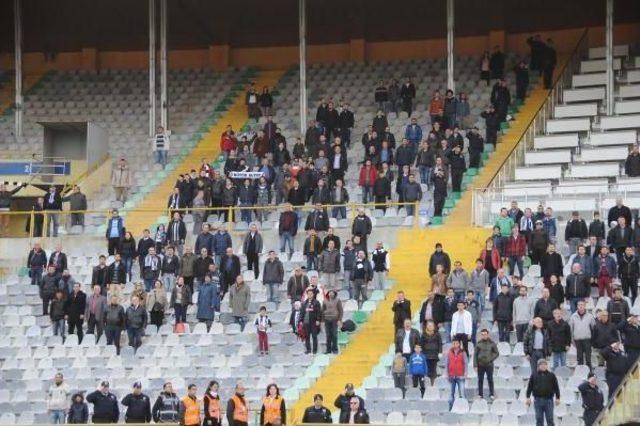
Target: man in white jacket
[(462, 325), (58, 400), (160, 145)]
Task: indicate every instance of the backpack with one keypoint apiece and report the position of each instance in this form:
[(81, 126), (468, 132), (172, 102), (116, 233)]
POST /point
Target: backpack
[(348, 326)]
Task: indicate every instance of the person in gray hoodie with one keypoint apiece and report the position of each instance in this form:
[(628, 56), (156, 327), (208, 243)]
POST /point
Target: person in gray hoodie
[(478, 282), (329, 265), (458, 280), (522, 312), (273, 276), (332, 317), (581, 323)]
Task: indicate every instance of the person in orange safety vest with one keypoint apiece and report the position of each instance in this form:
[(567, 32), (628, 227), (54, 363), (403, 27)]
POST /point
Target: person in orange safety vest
[(190, 408), (274, 412), (212, 413), (238, 408)]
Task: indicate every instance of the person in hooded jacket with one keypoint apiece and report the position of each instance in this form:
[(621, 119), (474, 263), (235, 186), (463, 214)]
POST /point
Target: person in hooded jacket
[(78, 412)]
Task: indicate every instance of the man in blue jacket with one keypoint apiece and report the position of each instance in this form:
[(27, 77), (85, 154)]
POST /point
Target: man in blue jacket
[(418, 368), (204, 240), (413, 133), (115, 232), (221, 242)]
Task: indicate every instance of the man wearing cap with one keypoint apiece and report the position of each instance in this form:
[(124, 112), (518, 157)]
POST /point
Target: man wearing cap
[(138, 406), (105, 405), (317, 413), (543, 385), (238, 408), (190, 408), (592, 399), (166, 408)]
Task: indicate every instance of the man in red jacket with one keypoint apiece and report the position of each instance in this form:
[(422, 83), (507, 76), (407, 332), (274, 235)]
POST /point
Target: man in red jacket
[(456, 368), (366, 180), (515, 251), (228, 140)]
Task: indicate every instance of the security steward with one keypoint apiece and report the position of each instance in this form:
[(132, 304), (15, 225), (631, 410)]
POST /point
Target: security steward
[(237, 408), (211, 400), (166, 408), (190, 408), (592, 399), (317, 413), (105, 405), (138, 406)]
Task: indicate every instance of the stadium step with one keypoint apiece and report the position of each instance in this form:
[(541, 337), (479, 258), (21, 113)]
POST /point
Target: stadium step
[(7, 91), (232, 111), (461, 214), (409, 270)]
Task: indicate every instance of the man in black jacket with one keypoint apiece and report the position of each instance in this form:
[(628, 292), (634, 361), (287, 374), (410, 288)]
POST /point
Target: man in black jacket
[(492, 124), (617, 211), (440, 179), (36, 262), (105, 405), (116, 272), (229, 270), (617, 365), (548, 63), (310, 318), (543, 385), (617, 307), (343, 400), (167, 406), (177, 233), (592, 399), (476, 147), (317, 413), (144, 244), (620, 237), (576, 232), (630, 330), (138, 406), (578, 286), (439, 257), (401, 310), (52, 203), (545, 306), (503, 312), (536, 343), (76, 304), (458, 166), (100, 274), (317, 220), (629, 273), (346, 121), (559, 339), (551, 263), (407, 94), (356, 414), (603, 334), (406, 339)]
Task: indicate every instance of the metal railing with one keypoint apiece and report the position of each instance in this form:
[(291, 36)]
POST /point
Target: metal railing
[(537, 124), (40, 222), (623, 406)]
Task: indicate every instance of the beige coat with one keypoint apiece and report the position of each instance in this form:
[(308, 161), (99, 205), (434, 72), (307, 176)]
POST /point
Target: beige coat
[(121, 177), (157, 296)]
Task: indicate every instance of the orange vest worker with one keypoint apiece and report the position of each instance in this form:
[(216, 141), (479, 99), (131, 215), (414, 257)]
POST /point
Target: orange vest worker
[(272, 410), (241, 410), (191, 411)]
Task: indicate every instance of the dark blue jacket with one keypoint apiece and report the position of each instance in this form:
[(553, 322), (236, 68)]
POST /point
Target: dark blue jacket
[(221, 242), (204, 241), (610, 264), (120, 225)]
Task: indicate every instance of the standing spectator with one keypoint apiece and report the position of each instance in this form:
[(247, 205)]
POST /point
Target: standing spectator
[(273, 410), (95, 312), (381, 96), (78, 411), (411, 194), (138, 405), (346, 121), (399, 372), (503, 312), (121, 180), (543, 385), (522, 312), (462, 325), (114, 232), (522, 80), (537, 47), (538, 243), (620, 237), (204, 240), (463, 112), (436, 108), (458, 280), (551, 263), (317, 219), (157, 304), (628, 272), (251, 100), (536, 342), (618, 307), (362, 226), (190, 407), (617, 365), (406, 339), (476, 147), (361, 276), (211, 402), (144, 244), (617, 211), (515, 251), (492, 124), (603, 333), (366, 180), (496, 284), (407, 94), (381, 263), (208, 299), (229, 270), (57, 399), (439, 177), (201, 268), (413, 133), (632, 164), (596, 228), (431, 342), (167, 406), (556, 291), (36, 263), (151, 268), (239, 300), (311, 316), (114, 322), (478, 283), (287, 229), (127, 252), (449, 111), (356, 414), (581, 324), (456, 370), (578, 286), (296, 285), (592, 399), (559, 339), (439, 257), (160, 145), (180, 301), (252, 248), (329, 266), (273, 276), (496, 63), (105, 405), (395, 101), (380, 122), (604, 271), (262, 324), (486, 352), (576, 232), (548, 63), (424, 161), (312, 248), (52, 204), (266, 102), (136, 322), (505, 223), (77, 202), (630, 330), (418, 368), (401, 310), (57, 313), (332, 312), (75, 306), (177, 233), (545, 306)]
